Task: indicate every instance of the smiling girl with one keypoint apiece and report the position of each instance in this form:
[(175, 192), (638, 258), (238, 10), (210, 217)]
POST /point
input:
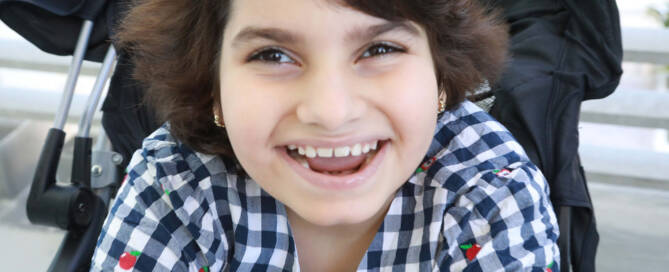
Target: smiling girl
[(321, 135)]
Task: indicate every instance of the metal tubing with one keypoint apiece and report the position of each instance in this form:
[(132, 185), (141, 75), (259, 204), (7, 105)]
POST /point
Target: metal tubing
[(73, 74), (96, 93)]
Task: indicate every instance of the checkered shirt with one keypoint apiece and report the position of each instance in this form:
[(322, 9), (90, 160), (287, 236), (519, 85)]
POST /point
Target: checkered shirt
[(476, 203)]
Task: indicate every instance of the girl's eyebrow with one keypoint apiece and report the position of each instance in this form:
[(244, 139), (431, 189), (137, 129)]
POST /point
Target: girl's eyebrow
[(267, 33), (284, 36), (377, 30)]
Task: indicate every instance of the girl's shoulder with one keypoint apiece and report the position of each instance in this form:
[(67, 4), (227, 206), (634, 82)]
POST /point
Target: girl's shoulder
[(178, 171), (163, 212), (490, 189), (176, 163), (475, 159), (469, 147)]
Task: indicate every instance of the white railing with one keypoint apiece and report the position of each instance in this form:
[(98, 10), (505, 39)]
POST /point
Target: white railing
[(631, 108), (646, 45)]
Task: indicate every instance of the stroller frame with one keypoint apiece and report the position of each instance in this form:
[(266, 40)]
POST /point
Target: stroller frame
[(79, 208)]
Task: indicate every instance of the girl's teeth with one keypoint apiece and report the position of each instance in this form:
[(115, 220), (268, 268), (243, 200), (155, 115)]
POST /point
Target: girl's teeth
[(338, 173), (357, 150), (342, 151), (328, 152), (324, 152), (310, 152), (302, 160)]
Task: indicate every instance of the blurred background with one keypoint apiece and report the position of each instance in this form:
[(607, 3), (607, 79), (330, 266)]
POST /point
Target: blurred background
[(624, 145)]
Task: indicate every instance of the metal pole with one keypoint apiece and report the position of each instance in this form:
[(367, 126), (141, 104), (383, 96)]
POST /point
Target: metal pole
[(96, 93), (73, 74)]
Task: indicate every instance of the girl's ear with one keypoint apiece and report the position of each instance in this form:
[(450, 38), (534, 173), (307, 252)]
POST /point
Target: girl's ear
[(217, 112), (442, 101)]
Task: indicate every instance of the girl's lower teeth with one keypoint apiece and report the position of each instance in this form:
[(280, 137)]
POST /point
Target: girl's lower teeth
[(338, 173)]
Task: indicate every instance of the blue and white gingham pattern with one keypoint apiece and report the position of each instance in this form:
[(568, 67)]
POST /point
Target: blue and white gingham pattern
[(184, 210)]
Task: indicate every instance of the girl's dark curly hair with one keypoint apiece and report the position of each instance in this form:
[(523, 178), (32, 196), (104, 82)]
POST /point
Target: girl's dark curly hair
[(175, 47)]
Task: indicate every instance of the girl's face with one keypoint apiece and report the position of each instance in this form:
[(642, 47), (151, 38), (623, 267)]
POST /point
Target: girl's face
[(326, 81)]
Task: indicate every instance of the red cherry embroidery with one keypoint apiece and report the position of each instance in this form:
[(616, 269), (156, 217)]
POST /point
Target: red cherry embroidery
[(163, 188), (204, 269), (423, 167), (127, 260), (502, 173), (472, 250), (548, 269)]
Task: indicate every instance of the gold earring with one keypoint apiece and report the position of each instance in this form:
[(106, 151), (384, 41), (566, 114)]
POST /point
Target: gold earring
[(442, 105), (217, 121)]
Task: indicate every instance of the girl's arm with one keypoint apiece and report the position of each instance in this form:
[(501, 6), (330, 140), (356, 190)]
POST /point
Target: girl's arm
[(142, 231), (504, 223)]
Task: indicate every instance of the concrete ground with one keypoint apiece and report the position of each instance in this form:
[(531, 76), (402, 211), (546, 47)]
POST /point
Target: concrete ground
[(633, 225)]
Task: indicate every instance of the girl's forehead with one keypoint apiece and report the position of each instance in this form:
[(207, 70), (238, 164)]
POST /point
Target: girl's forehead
[(282, 8), (307, 18)]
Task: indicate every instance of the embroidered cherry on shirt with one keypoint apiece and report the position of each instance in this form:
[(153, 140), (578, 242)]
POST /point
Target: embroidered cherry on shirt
[(128, 259), (549, 267), (472, 250), (502, 173), (204, 269), (167, 192), (426, 165)]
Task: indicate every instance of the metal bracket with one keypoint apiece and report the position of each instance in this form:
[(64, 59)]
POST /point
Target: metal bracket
[(103, 168)]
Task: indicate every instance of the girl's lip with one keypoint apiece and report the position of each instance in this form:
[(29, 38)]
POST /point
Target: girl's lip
[(338, 183)]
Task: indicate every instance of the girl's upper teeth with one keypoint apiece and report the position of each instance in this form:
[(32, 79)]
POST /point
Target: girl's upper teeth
[(341, 151), (356, 150), (324, 152)]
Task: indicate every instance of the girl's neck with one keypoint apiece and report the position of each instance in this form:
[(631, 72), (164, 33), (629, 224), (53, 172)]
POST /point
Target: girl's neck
[(333, 248)]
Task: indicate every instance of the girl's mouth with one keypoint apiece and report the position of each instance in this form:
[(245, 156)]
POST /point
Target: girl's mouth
[(336, 168)]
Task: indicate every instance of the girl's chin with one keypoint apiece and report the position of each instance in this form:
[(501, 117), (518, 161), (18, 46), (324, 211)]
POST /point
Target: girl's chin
[(337, 219), (328, 214)]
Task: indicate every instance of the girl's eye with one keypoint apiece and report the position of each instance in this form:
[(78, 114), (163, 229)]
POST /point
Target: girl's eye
[(379, 50), (271, 55)]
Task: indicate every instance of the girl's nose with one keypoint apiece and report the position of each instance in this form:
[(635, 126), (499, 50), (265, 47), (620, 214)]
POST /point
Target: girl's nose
[(330, 100)]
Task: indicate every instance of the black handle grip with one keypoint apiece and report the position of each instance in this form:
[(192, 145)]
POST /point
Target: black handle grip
[(66, 207), (81, 164)]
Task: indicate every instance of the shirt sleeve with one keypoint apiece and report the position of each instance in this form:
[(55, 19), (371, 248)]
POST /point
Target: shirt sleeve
[(142, 231), (503, 223)]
